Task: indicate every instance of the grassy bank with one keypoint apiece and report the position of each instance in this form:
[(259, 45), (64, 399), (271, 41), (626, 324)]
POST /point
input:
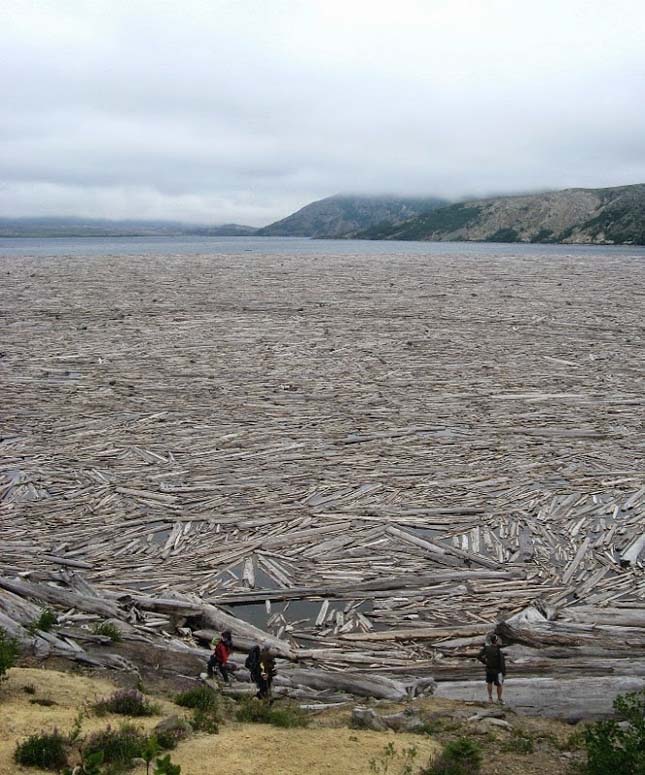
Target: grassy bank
[(35, 700)]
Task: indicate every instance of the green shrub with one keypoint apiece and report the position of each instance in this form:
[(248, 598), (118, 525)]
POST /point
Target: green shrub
[(44, 701), (109, 630), (393, 762), (44, 622), (459, 757), (258, 712), (9, 651), (46, 751), (204, 703), (119, 746), (126, 702), (165, 767), (519, 742), (90, 765), (206, 721), (504, 235), (201, 697), (618, 749)]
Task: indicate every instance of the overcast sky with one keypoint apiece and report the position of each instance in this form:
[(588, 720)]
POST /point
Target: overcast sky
[(245, 110)]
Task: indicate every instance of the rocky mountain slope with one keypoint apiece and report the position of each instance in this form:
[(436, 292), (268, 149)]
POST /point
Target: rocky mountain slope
[(343, 216), (576, 215), (97, 227)]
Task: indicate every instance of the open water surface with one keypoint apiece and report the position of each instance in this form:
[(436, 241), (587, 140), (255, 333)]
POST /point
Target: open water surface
[(173, 246)]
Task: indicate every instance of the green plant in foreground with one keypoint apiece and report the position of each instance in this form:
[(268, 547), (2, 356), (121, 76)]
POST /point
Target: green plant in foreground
[(119, 746), (393, 762), (166, 767), (459, 757), (150, 750), (9, 651), (91, 764), (618, 749), (46, 751)]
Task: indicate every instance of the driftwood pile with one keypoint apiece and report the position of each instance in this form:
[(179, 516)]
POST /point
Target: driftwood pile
[(375, 459)]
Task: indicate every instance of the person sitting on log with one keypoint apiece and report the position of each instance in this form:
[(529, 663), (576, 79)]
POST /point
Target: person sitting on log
[(219, 659), (492, 656)]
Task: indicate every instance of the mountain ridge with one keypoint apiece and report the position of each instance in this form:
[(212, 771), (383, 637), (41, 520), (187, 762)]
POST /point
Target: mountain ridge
[(71, 226), (570, 216), (341, 216)]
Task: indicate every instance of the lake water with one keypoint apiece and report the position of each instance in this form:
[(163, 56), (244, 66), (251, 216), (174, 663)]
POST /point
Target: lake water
[(168, 246)]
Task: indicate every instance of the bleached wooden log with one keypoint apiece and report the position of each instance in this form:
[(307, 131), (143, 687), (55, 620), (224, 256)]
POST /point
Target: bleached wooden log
[(352, 683), (569, 699), (59, 596)]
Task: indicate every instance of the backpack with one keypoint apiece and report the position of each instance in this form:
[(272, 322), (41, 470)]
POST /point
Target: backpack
[(252, 662)]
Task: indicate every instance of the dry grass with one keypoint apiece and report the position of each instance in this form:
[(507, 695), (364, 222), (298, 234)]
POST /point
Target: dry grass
[(328, 746), (239, 749)]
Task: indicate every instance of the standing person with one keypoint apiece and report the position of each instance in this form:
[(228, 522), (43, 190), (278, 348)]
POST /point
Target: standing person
[(253, 665), (267, 672), (220, 656), (492, 656)]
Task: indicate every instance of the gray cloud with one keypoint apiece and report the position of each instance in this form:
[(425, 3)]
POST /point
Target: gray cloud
[(244, 110)]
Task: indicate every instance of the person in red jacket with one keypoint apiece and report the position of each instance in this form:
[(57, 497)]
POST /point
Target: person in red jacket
[(219, 658)]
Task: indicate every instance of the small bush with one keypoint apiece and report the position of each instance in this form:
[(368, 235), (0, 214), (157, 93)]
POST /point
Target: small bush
[(109, 630), (618, 749), (47, 620), (29, 689), (205, 721), (90, 765), (168, 740), (44, 623), (46, 751), (393, 761), (9, 651), (258, 712), (200, 697), (165, 767), (119, 746), (518, 743), (459, 757), (44, 701), (204, 703), (126, 702)]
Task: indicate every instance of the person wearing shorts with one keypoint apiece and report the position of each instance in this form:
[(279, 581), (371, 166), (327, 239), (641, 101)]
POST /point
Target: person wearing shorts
[(492, 656)]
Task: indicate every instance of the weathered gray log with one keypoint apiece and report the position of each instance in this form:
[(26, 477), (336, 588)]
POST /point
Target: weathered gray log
[(418, 633), (353, 683), (66, 561), (220, 620), (633, 551), (626, 617), (569, 699), (59, 596)]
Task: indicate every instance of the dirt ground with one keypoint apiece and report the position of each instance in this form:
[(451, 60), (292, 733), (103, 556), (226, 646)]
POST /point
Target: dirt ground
[(328, 746)]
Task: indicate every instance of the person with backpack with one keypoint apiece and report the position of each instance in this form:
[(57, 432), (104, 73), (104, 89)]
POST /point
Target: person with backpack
[(219, 659), (492, 656), (261, 664)]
